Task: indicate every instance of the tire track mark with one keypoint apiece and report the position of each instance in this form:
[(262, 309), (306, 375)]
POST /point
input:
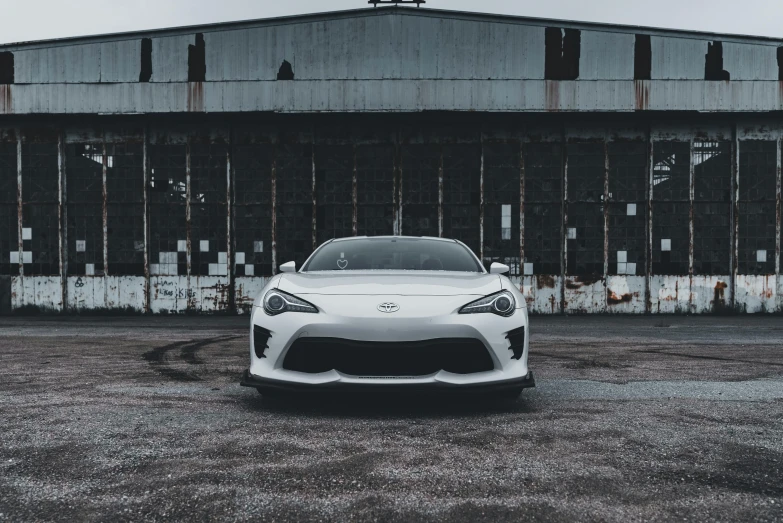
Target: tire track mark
[(158, 358)]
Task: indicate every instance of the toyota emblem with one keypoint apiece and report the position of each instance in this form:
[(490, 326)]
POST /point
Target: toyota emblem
[(388, 307)]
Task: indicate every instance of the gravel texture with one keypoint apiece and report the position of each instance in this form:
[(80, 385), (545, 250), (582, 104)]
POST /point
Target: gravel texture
[(634, 419)]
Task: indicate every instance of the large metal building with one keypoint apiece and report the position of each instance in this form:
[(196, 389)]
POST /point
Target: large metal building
[(615, 169)]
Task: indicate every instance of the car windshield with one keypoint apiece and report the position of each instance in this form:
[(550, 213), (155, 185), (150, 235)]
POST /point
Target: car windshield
[(392, 254)]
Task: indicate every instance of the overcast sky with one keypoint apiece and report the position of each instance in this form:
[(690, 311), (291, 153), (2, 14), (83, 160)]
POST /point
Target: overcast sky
[(24, 20)]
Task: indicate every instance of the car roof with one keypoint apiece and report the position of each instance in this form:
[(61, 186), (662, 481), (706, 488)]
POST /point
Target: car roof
[(393, 238)]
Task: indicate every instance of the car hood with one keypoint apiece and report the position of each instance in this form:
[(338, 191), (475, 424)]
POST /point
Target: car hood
[(390, 283)]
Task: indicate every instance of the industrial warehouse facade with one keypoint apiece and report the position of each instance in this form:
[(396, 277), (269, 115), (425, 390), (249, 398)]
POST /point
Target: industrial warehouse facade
[(620, 170)]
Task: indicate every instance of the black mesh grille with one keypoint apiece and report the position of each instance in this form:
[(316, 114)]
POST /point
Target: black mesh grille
[(357, 358), (517, 340), (260, 340)]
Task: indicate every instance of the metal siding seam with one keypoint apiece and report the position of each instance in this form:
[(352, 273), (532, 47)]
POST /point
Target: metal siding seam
[(398, 186), (188, 225), (778, 209), (440, 194), (314, 224), (105, 215), (563, 219), (606, 216), (62, 218), (145, 178)]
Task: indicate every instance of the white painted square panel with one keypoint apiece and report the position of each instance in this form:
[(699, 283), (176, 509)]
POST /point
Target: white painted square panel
[(239, 258), (213, 269), (154, 269), (204, 245), (89, 269), (223, 257), (572, 233), (81, 245), (666, 245), (258, 246), (182, 245), (168, 257), (528, 269), (14, 257), (250, 270), (631, 211), (761, 256), (621, 268), (622, 256), (630, 269), (27, 233), (27, 257)]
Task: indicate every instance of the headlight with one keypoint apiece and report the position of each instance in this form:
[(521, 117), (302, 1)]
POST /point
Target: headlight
[(501, 303), (277, 302)]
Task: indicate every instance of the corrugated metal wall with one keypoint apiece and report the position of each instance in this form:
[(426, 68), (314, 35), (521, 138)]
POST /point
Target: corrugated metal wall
[(663, 218)]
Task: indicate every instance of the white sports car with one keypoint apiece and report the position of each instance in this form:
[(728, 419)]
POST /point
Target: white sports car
[(393, 311)]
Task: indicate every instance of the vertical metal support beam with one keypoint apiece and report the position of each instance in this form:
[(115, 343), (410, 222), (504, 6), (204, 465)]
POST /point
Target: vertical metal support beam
[(355, 196), (19, 204), (735, 174), (105, 215), (188, 225), (606, 213), (521, 207), (440, 192), (62, 218), (564, 220), (145, 181), (691, 197), (649, 198), (778, 210), (315, 202), (274, 207), (397, 196), (481, 202), (231, 305)]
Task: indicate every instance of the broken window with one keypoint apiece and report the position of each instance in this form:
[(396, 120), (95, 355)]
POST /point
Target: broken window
[(286, 71), (543, 208), (40, 208), (585, 225), (208, 209), (713, 64), (563, 50), (334, 190), (462, 194), (757, 189), (9, 211), (84, 200), (712, 208), (627, 208), (146, 60), (501, 204), (294, 225), (125, 208), (420, 189), (375, 189), (197, 60), (253, 208), (642, 62), (671, 208), (6, 67), (168, 231)]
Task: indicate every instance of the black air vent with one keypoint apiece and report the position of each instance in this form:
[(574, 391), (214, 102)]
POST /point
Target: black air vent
[(260, 340), (517, 340)]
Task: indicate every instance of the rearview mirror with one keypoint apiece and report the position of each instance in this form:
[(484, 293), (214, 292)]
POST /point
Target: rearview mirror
[(498, 268), (288, 267)]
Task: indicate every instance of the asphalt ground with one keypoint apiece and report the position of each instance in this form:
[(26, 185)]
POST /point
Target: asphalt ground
[(633, 419)]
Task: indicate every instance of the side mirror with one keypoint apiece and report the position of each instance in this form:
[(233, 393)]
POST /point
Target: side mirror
[(288, 267), (498, 268)]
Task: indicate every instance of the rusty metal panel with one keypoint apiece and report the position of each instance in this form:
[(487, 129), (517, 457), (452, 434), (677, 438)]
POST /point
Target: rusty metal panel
[(170, 58), (247, 289), (60, 64), (42, 293), (625, 294), (677, 58), (750, 62), (585, 294), (542, 293), (606, 56), (169, 294), (710, 294), (757, 294), (670, 294), (121, 61)]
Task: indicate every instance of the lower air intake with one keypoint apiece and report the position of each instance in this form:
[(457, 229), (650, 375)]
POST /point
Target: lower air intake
[(517, 340), (359, 358), (260, 341)]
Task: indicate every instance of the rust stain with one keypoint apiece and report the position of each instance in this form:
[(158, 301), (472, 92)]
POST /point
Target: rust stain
[(582, 281), (614, 299), (552, 96), (552, 303), (196, 97), (642, 95), (6, 100), (545, 281), (719, 297)]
